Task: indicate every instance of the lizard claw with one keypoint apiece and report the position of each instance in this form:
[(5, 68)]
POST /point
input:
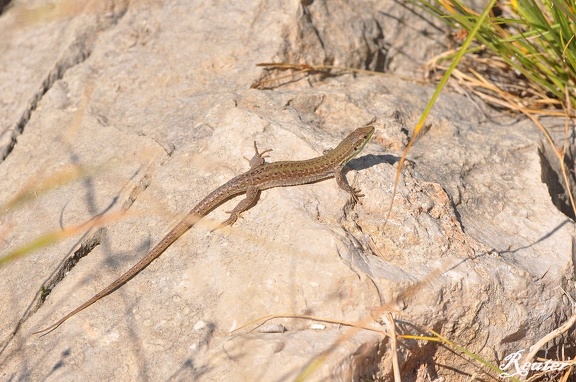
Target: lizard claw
[(356, 194)]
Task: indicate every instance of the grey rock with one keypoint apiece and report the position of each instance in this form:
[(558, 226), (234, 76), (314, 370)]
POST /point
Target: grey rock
[(135, 112)]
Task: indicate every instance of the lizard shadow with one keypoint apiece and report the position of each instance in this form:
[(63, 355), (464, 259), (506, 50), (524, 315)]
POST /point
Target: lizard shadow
[(369, 160)]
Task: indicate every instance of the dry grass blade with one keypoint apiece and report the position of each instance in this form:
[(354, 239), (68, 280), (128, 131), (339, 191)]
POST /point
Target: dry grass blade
[(301, 71), (297, 72), (55, 236), (262, 320), (469, 354), (394, 347), (550, 336), (36, 188), (474, 28), (536, 41)]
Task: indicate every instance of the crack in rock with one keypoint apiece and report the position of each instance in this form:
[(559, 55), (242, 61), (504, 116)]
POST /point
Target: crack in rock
[(78, 51), (3, 5), (86, 247), (130, 195), (551, 175), (92, 240)]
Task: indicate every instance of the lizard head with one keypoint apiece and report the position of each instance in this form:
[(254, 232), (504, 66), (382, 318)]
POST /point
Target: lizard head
[(354, 142)]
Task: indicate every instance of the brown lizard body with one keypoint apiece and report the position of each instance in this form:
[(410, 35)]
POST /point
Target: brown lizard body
[(261, 176)]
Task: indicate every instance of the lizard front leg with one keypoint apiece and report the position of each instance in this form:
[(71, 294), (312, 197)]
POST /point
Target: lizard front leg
[(343, 183)]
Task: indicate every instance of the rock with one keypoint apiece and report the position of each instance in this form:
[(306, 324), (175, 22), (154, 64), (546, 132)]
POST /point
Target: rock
[(136, 112)]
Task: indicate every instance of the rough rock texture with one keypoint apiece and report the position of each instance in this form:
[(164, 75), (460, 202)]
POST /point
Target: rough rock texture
[(145, 107)]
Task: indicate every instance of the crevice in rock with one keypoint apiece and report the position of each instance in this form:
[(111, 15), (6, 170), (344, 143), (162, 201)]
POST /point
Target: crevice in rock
[(551, 175), (3, 5), (78, 51), (135, 187), (89, 244), (365, 361), (93, 239), (138, 183), (313, 46), (377, 53)]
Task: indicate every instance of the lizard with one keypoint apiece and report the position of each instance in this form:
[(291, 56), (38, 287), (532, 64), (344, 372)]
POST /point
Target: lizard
[(260, 176)]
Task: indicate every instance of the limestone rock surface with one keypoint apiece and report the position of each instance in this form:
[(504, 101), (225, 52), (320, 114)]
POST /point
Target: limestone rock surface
[(131, 112)]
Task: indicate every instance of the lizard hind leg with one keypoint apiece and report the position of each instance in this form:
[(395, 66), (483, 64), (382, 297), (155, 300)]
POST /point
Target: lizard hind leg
[(252, 194)]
